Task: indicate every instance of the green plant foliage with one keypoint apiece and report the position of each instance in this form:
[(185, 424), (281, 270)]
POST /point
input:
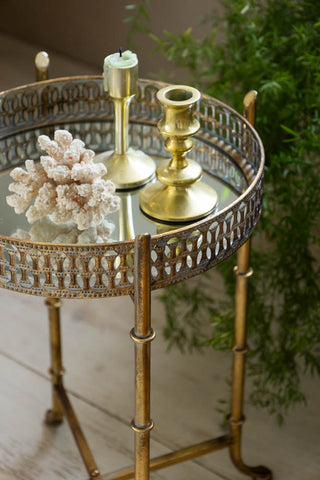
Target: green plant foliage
[(272, 46), (139, 19)]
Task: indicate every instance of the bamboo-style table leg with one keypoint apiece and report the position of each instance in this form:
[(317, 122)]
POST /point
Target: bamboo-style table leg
[(243, 271), (236, 418), (54, 416), (61, 404), (60, 401), (142, 334)]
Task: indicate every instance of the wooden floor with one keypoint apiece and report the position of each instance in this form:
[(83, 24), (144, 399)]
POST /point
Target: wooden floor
[(98, 357)]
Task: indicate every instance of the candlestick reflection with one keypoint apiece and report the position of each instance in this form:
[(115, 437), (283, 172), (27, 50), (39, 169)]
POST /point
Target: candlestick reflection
[(126, 227)]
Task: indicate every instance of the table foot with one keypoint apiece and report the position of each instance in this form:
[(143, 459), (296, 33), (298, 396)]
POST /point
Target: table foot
[(256, 473), (260, 472), (53, 418)]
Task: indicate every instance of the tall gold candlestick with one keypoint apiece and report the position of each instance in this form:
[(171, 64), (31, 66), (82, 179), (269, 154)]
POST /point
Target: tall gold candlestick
[(127, 168)]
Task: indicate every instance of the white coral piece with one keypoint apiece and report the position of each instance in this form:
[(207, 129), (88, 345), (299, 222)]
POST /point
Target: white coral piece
[(67, 184)]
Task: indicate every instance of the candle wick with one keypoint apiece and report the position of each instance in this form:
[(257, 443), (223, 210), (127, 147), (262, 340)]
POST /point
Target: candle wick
[(120, 51)]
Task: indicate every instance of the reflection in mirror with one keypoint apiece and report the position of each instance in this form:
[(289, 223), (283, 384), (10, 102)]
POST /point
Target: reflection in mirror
[(44, 230), (126, 225)]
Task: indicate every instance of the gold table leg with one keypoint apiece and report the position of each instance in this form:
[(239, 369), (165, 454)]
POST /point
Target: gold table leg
[(142, 334), (78, 434), (54, 416), (60, 402), (243, 272), (236, 418)]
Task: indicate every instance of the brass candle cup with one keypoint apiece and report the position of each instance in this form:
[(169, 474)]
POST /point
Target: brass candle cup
[(126, 167), (178, 196)]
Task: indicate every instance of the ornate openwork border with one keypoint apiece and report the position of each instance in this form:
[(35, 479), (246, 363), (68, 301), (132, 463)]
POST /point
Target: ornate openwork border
[(89, 271)]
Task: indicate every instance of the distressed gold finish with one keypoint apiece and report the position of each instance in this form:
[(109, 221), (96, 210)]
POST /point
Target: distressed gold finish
[(142, 334), (178, 195), (175, 457), (227, 147), (77, 432), (243, 271), (54, 416), (60, 401)]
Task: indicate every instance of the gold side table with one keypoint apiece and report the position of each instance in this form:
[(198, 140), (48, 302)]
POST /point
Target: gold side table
[(231, 155)]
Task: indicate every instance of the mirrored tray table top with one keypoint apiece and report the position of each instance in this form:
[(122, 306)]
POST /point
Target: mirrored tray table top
[(228, 149)]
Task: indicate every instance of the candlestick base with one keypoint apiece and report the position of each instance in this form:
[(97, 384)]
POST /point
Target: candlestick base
[(127, 170), (183, 204)]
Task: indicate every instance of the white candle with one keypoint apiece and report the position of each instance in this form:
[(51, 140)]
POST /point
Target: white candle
[(120, 74)]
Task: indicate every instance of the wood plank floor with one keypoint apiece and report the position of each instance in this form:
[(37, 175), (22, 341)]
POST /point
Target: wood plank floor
[(98, 356)]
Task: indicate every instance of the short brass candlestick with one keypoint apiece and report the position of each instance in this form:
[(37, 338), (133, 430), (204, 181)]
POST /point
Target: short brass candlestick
[(178, 196), (126, 167)]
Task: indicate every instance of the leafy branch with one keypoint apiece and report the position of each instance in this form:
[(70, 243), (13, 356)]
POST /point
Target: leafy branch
[(273, 47)]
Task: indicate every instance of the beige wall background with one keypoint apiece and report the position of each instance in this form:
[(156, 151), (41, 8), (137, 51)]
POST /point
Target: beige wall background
[(90, 30)]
